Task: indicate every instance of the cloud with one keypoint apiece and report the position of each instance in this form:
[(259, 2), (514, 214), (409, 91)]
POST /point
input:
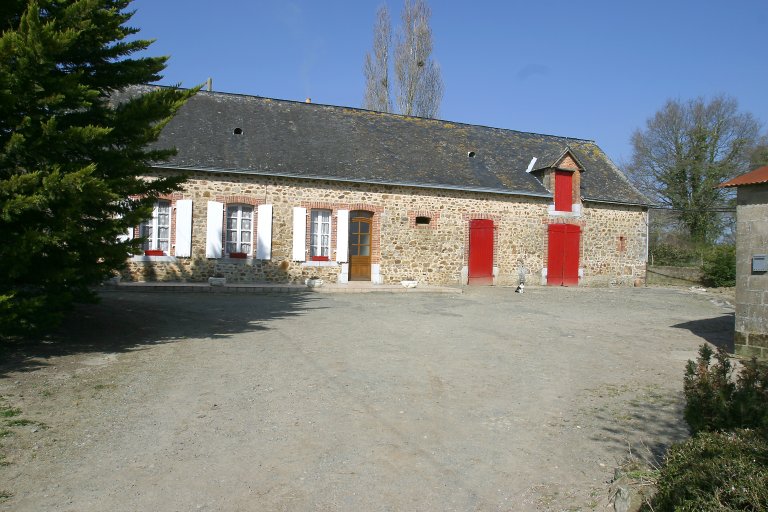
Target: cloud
[(530, 70)]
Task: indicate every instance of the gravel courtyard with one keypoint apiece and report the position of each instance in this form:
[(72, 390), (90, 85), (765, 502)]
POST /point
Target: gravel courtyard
[(488, 400)]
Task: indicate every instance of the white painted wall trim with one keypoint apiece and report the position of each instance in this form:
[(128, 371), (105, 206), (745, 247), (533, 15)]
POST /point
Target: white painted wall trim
[(344, 273), (376, 274), (319, 264), (153, 259), (576, 211)]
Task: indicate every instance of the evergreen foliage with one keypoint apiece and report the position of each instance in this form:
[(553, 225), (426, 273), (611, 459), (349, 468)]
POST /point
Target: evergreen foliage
[(717, 401), (715, 472), (719, 267), (724, 466), (70, 156)]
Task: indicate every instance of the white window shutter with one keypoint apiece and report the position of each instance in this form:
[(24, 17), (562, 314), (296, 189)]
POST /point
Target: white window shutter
[(214, 229), (184, 228), (299, 234), (128, 235), (264, 232), (342, 235)]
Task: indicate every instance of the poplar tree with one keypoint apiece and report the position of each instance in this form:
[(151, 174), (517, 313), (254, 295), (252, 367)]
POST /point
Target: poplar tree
[(417, 87), (376, 67), (71, 157), (419, 83)]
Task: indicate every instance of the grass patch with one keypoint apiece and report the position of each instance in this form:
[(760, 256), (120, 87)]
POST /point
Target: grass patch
[(19, 422), (5, 433), (9, 412), (5, 495)]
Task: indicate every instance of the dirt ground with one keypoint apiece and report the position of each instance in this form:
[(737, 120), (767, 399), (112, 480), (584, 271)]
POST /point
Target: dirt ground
[(488, 400)]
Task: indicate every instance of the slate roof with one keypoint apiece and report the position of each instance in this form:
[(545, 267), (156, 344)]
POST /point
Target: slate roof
[(756, 177), (308, 140)]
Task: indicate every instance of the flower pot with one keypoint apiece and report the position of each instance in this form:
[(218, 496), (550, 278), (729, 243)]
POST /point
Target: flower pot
[(154, 252)]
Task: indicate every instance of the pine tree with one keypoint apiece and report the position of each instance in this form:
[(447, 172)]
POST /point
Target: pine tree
[(71, 157)]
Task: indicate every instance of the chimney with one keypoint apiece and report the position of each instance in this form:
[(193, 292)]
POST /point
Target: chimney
[(308, 100), (209, 84)]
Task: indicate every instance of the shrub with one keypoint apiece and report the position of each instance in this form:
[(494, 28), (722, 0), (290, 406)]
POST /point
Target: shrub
[(715, 401), (715, 471), (719, 266), (673, 255)]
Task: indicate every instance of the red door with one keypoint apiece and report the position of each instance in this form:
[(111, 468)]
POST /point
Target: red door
[(563, 255), (481, 252)]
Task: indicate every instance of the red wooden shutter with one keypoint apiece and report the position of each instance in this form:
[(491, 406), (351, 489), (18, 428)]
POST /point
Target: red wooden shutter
[(563, 191)]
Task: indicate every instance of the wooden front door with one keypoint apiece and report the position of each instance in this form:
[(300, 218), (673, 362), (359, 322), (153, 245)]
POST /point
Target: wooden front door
[(360, 247), (563, 255), (480, 252)]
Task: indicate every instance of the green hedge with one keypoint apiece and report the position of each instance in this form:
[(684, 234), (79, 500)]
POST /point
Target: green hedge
[(724, 466), (719, 267), (674, 255), (715, 400), (715, 471)]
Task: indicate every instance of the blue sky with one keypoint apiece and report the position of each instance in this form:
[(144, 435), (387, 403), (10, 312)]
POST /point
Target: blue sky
[(592, 69)]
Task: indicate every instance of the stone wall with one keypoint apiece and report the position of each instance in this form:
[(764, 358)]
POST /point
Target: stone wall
[(612, 248), (751, 338)]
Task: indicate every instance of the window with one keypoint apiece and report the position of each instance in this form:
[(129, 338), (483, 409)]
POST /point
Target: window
[(157, 230), (422, 221), (320, 235), (239, 230)]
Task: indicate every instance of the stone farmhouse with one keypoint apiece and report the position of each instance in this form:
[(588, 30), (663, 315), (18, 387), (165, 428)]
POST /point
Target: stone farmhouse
[(280, 191), (751, 330)]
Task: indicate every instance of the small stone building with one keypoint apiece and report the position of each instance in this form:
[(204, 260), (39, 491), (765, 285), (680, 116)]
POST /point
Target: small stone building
[(281, 191), (751, 336)]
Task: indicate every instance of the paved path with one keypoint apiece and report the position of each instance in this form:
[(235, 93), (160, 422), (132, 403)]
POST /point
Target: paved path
[(488, 400)]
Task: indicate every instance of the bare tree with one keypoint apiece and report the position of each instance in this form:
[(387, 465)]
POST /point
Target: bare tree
[(685, 151), (759, 156), (419, 82), (377, 65)]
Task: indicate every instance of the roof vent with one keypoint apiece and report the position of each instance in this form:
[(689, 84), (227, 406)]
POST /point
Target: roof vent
[(530, 165), (471, 154), (237, 131)]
